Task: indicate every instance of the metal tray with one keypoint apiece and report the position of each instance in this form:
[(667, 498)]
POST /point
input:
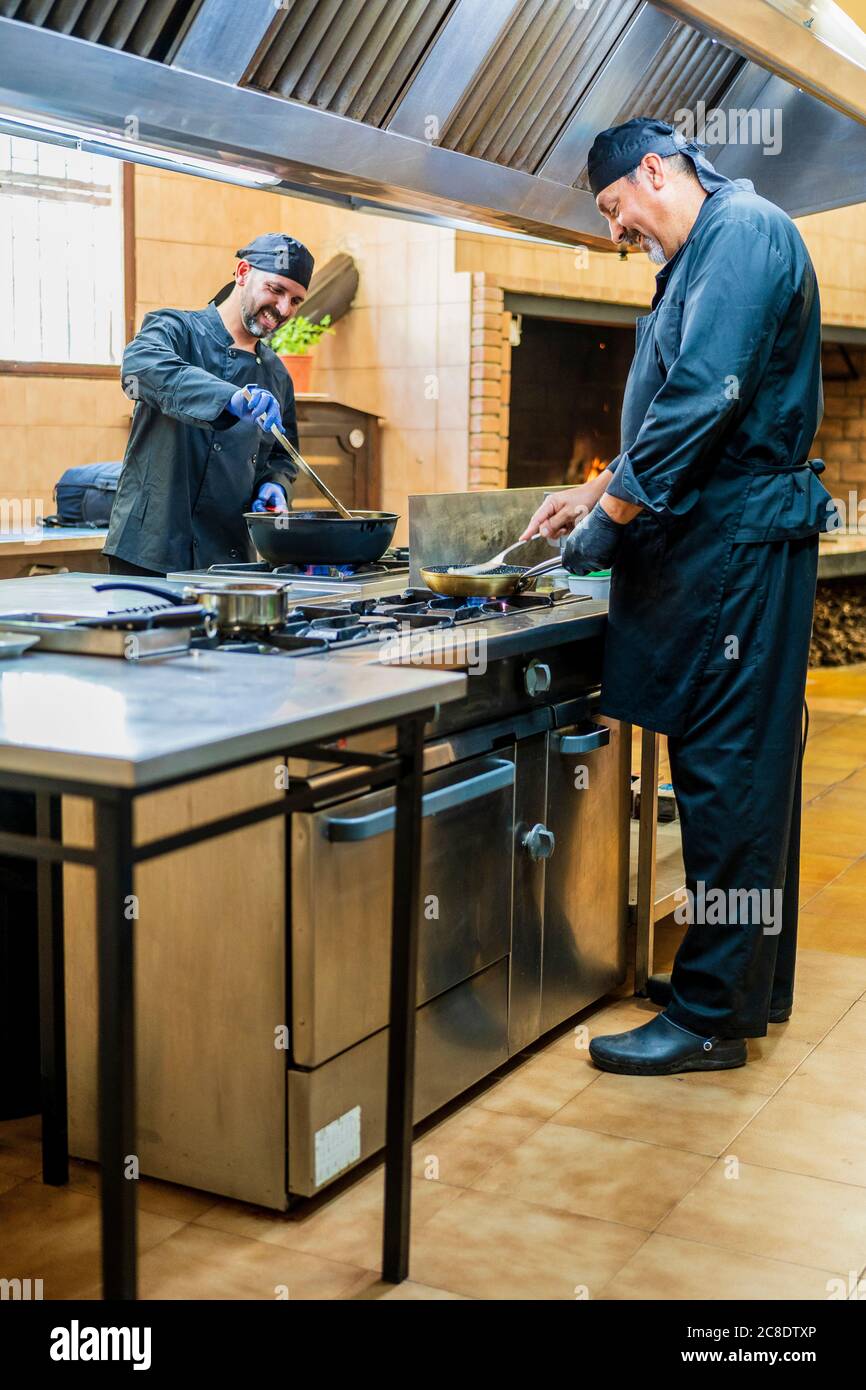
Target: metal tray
[(65, 632)]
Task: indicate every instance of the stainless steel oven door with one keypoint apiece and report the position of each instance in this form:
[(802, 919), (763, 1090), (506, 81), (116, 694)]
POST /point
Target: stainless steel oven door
[(586, 879), (341, 865)]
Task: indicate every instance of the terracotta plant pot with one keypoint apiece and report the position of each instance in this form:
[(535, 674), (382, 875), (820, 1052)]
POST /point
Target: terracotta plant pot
[(299, 366)]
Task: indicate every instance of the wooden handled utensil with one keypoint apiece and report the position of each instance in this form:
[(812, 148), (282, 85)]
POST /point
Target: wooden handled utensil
[(305, 467)]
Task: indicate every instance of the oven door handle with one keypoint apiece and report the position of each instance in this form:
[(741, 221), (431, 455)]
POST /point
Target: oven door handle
[(343, 828), (596, 737)]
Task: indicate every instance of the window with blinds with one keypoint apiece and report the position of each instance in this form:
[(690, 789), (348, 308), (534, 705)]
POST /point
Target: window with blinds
[(61, 227)]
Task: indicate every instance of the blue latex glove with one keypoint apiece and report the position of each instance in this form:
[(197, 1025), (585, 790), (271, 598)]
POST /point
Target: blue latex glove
[(270, 498), (593, 544), (264, 407)]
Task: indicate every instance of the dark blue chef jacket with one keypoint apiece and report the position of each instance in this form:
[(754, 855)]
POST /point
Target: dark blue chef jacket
[(721, 406), (191, 469)]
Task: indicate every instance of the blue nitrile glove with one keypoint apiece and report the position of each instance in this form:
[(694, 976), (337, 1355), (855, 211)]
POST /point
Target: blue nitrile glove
[(593, 544), (264, 407), (270, 498)]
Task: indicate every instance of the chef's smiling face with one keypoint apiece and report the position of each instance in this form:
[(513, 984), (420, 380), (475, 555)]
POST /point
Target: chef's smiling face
[(634, 213), (267, 300)]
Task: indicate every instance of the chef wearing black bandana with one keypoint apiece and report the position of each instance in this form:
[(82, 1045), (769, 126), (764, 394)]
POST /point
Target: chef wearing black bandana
[(199, 454), (709, 518)]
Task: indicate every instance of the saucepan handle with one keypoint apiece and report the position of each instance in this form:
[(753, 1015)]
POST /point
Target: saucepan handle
[(543, 568), (168, 594)]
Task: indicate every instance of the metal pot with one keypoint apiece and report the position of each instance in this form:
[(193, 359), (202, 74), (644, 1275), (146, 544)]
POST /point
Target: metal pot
[(237, 607), (321, 538), (506, 579)]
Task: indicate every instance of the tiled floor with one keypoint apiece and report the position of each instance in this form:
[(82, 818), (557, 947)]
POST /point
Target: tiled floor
[(558, 1181)]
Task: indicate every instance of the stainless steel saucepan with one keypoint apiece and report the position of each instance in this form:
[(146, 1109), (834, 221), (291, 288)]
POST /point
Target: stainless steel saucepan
[(238, 607)]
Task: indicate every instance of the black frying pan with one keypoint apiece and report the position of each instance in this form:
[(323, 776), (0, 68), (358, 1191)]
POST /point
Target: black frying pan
[(321, 538)]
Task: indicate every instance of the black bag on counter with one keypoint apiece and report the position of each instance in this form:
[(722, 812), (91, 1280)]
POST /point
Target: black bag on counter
[(86, 494)]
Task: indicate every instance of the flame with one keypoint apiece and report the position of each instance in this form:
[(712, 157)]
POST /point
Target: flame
[(595, 467)]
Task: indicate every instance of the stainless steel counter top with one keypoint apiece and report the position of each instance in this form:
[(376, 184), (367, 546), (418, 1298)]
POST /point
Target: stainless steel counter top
[(127, 724)]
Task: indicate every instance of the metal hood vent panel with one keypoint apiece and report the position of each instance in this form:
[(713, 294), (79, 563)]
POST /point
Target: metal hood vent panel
[(532, 80), (149, 28), (350, 57), (694, 68)]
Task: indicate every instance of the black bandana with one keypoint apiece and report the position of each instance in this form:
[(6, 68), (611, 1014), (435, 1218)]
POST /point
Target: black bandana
[(620, 149), (279, 255)]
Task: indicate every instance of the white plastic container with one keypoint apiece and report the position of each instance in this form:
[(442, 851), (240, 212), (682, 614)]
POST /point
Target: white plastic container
[(594, 585)]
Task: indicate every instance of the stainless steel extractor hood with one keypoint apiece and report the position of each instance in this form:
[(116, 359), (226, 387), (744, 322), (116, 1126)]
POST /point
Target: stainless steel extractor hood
[(464, 110)]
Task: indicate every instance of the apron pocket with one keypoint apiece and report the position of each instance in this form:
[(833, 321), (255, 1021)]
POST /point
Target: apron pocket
[(736, 640)]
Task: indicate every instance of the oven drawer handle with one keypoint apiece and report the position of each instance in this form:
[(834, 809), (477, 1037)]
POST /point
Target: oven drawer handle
[(342, 828), (596, 737)]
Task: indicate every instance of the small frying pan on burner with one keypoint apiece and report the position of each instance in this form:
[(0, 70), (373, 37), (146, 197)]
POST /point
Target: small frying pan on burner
[(505, 579)]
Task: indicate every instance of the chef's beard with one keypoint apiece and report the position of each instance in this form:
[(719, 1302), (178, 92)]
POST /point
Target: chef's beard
[(249, 310), (643, 242)]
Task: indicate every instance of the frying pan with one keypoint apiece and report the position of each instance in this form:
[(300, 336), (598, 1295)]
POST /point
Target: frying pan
[(321, 538), (506, 579)]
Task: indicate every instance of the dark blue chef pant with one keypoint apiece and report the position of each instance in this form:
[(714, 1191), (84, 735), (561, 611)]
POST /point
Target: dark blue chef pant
[(736, 772)]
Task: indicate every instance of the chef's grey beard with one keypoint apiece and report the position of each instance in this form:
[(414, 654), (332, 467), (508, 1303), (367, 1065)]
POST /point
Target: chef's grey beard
[(654, 251), (251, 324)]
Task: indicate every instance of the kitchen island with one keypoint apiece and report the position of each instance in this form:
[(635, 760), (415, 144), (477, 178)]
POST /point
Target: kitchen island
[(111, 737)]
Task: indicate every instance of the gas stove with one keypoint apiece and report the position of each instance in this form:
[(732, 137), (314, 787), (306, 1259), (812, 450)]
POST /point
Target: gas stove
[(316, 628), (393, 564)]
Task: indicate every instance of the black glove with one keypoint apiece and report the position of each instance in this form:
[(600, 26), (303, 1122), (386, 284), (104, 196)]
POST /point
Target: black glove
[(593, 544)]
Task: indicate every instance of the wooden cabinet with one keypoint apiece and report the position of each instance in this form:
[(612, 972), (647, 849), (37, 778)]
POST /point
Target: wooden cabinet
[(342, 445)]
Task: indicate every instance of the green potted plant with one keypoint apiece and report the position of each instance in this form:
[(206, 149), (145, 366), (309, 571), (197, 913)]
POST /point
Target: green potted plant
[(293, 342)]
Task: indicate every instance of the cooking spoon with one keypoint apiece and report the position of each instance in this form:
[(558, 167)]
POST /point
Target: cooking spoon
[(302, 464), (497, 560)]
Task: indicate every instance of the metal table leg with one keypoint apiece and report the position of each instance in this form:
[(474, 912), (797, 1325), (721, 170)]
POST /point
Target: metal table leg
[(115, 941), (646, 859), (404, 970), (52, 1002)]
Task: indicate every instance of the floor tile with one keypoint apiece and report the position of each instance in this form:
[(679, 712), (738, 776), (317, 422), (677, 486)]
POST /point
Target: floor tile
[(407, 1292), (205, 1264), (666, 1268), (541, 1086), (21, 1147), (596, 1175), (52, 1233), (460, 1149), (771, 1060), (161, 1198), (347, 1228), (495, 1247), (822, 1141), (700, 1117), (850, 1032), (778, 1215), (830, 1075)]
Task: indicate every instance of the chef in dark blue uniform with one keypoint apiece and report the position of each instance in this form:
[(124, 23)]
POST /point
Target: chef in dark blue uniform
[(709, 517), (199, 453)]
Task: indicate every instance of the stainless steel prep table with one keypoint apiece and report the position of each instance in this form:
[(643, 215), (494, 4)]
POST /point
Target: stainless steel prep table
[(109, 730)]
